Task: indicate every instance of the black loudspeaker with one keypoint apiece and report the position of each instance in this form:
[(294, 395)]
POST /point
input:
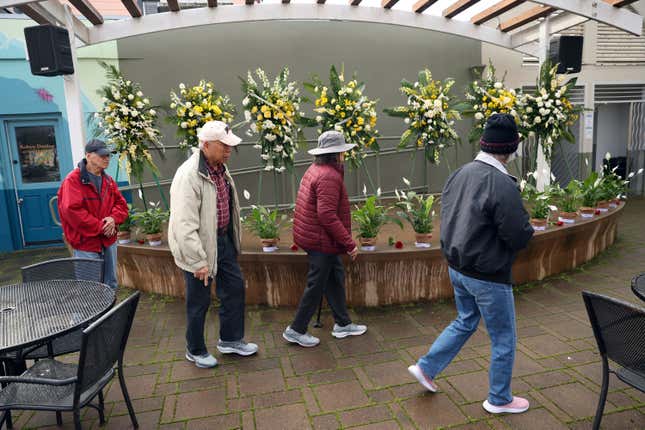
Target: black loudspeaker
[(566, 51), (49, 50)]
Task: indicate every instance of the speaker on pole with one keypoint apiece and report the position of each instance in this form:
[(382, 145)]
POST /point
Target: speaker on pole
[(566, 51), (49, 51)]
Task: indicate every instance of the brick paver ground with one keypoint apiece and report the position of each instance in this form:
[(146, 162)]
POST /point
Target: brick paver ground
[(362, 383)]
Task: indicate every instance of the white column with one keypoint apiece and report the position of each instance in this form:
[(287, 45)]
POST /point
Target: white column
[(543, 168), (73, 103)]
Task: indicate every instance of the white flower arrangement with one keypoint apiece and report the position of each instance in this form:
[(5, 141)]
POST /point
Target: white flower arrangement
[(127, 120), (193, 106), (548, 113), (429, 115), (272, 111)]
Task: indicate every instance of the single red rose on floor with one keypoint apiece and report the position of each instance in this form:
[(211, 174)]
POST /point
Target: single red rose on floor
[(559, 223), (597, 211), (141, 241), (398, 244), (294, 247)]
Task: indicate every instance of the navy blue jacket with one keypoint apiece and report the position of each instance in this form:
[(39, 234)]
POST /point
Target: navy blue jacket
[(483, 222)]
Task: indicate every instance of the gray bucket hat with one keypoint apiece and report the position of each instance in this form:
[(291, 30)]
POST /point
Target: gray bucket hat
[(331, 142)]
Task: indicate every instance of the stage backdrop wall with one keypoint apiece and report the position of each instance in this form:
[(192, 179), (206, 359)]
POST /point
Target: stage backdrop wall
[(380, 54)]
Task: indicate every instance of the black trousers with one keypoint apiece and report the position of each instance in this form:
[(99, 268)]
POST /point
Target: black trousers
[(326, 275), (230, 291)]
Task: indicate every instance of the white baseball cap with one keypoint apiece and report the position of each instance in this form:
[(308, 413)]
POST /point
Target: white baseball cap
[(218, 130)]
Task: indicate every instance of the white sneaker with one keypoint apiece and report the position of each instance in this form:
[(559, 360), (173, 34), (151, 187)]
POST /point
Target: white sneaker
[(418, 374), (306, 340), (240, 347), (517, 406), (204, 361), (350, 329)]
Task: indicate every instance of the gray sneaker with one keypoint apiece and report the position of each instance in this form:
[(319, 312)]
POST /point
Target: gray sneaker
[(306, 340), (350, 329), (204, 361), (240, 347)]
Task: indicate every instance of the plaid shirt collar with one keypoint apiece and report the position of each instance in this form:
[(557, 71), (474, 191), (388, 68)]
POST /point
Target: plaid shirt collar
[(215, 171)]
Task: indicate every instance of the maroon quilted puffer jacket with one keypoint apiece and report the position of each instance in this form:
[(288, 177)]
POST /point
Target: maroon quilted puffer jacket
[(322, 220)]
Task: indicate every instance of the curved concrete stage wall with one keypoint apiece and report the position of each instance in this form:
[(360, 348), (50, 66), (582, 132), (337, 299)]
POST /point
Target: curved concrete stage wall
[(376, 278)]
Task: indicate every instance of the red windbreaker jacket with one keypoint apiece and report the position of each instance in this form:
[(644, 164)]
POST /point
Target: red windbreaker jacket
[(82, 209)]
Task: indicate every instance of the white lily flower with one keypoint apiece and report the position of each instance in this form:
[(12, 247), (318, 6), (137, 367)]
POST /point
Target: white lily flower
[(246, 194), (378, 192), (406, 181), (364, 190)]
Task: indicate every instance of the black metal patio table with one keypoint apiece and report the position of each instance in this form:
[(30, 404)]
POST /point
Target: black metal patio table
[(638, 286), (33, 313)]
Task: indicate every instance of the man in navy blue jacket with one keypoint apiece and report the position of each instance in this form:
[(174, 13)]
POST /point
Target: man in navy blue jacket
[(483, 227)]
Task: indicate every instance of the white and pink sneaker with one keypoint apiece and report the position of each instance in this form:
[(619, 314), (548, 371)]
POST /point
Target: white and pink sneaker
[(517, 406), (427, 383)]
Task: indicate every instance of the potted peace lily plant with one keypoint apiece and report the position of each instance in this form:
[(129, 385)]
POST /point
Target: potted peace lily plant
[(591, 194), (370, 218), (417, 210), (151, 222), (266, 225), (538, 203), (567, 201), (123, 235)]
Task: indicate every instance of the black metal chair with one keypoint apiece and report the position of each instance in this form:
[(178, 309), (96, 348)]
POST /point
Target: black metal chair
[(619, 328), (50, 385), (86, 269), (638, 286)]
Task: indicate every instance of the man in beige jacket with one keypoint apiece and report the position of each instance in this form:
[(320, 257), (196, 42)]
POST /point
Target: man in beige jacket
[(204, 238)]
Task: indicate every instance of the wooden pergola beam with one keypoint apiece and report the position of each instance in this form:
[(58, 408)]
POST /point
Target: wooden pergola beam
[(524, 18), (34, 13), (212, 3), (173, 5), (88, 11), (620, 3), (458, 7), (387, 4), (422, 5), (495, 11), (133, 8)]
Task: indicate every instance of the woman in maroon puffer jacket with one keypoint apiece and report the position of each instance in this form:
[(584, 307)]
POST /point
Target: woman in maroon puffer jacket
[(322, 227)]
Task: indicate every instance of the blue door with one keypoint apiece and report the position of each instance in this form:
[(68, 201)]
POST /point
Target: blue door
[(39, 162)]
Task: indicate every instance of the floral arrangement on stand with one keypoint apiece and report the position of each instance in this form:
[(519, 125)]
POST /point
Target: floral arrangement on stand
[(127, 120), (429, 115), (488, 95), (344, 107), (272, 110), (192, 107), (548, 114)]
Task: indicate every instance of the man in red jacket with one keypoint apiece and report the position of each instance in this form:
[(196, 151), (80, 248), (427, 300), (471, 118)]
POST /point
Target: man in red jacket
[(91, 208), (322, 227)]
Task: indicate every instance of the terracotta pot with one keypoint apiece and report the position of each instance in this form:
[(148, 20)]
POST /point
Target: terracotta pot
[(367, 241), (270, 242), (539, 224), (587, 212), (154, 239), (614, 202), (422, 237), (603, 204), (123, 237), (568, 217)]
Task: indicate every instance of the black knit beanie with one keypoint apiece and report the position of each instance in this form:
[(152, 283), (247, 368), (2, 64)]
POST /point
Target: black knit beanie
[(500, 134)]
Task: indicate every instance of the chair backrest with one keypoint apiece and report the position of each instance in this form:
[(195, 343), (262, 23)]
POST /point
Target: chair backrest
[(84, 269), (619, 328), (103, 342)]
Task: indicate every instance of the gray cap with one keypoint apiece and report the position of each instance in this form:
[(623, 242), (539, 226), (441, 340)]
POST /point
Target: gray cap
[(97, 146), (331, 142)]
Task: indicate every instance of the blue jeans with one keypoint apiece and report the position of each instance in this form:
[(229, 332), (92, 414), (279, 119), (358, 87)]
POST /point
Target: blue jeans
[(109, 262), (475, 299)]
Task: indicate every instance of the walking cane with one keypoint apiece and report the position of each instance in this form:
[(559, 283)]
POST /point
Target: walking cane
[(318, 324)]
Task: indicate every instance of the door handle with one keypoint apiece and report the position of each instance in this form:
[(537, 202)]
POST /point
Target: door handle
[(20, 201)]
